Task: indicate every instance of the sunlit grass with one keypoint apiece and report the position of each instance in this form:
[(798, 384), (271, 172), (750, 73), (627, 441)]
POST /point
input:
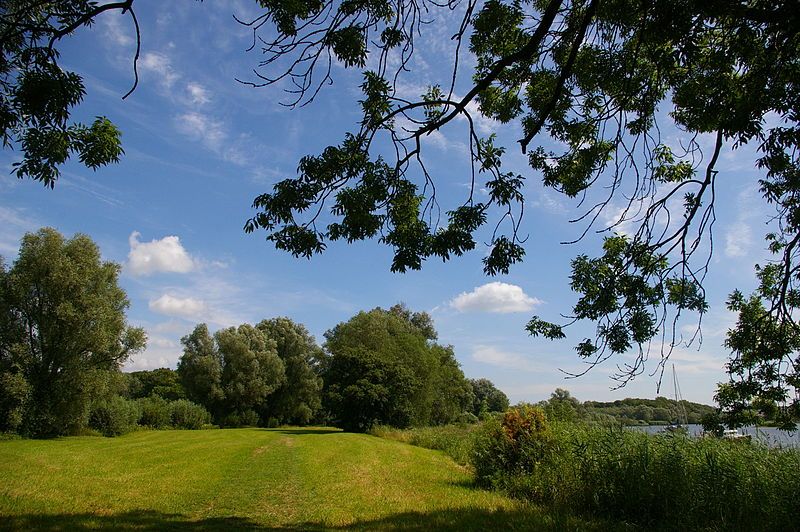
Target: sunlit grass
[(247, 478)]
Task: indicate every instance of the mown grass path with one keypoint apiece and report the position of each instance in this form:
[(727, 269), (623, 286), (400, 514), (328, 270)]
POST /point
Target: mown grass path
[(247, 479)]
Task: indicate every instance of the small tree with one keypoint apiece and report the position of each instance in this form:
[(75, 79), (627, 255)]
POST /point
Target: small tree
[(63, 326), (200, 369), (487, 398)]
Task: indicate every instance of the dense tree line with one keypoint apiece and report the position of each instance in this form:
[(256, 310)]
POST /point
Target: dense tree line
[(64, 339), (248, 375), (630, 411)]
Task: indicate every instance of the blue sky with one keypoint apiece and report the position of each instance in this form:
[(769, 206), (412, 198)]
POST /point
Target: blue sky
[(200, 146)]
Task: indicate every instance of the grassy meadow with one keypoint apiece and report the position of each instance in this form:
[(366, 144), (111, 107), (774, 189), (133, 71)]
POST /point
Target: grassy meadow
[(248, 479)]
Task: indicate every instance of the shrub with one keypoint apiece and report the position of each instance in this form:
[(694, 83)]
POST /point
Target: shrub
[(467, 418), (14, 394), (114, 416), (248, 418), (511, 445), (155, 412), (188, 415)]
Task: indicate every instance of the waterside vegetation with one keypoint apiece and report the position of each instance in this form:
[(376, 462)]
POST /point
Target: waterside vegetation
[(663, 481)]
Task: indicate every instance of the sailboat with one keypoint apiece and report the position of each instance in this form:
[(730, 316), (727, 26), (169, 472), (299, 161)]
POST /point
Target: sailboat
[(679, 425)]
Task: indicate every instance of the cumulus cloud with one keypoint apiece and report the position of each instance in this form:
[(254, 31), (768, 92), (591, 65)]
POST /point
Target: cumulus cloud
[(164, 255), (495, 297), (161, 352), (182, 307), (504, 359)]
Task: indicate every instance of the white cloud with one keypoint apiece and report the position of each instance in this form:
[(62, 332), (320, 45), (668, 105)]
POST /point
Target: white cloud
[(619, 219), (693, 361), (198, 94), (204, 128), (161, 352), (504, 359), (14, 223), (159, 64), (739, 235), (495, 297), (550, 202), (164, 255), (214, 135), (182, 307), (738, 240), (115, 31)]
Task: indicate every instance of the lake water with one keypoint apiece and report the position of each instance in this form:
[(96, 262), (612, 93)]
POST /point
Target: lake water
[(771, 436)]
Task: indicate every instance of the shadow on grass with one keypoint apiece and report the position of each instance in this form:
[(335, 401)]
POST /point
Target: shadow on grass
[(133, 520), (455, 519)]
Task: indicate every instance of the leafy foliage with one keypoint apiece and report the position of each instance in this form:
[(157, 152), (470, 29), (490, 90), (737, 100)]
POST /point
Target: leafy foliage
[(161, 382), (487, 397), (383, 368), (114, 416), (187, 415), (37, 96), (764, 369), (231, 374), (297, 400)]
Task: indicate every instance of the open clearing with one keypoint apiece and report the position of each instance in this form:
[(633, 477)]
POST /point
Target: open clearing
[(247, 479)]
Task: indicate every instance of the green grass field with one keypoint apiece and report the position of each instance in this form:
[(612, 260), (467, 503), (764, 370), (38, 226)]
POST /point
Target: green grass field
[(247, 479)]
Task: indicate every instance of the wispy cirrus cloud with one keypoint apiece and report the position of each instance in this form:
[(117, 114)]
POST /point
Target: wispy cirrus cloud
[(159, 66), (198, 94), (14, 223), (495, 356)]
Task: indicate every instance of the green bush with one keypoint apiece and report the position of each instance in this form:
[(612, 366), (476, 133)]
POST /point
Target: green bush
[(155, 412), (188, 415), (466, 418), (14, 394), (114, 416), (511, 446)]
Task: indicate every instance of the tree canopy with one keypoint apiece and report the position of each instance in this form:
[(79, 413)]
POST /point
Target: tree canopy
[(297, 399), (382, 368), (62, 331), (232, 373)]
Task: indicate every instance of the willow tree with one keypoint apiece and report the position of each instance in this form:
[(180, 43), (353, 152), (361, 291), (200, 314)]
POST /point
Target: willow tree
[(63, 333)]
